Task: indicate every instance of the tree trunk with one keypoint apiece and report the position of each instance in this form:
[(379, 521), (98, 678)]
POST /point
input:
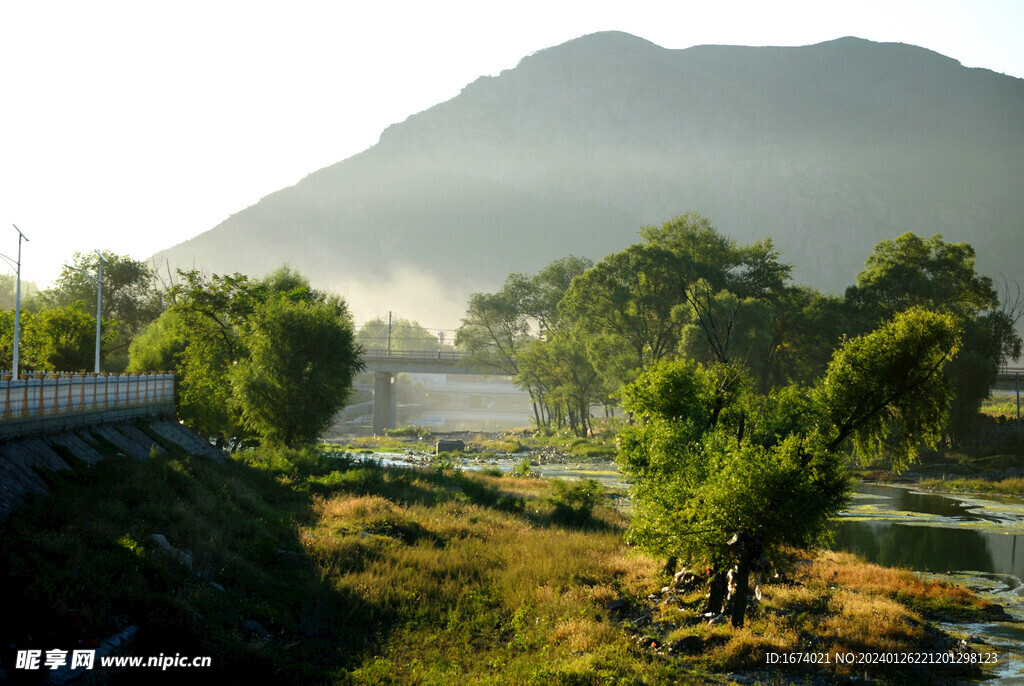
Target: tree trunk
[(716, 592), (742, 579), (586, 429), (749, 550)]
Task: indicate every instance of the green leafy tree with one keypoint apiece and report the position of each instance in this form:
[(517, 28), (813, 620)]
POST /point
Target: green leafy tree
[(627, 298), (205, 336), (911, 271), (887, 390), (7, 337), (130, 296), (8, 291), (560, 368), (757, 324), (63, 339), (200, 333), (498, 327), (719, 327), (724, 476), (302, 358), (545, 290), (403, 335), (691, 235), (806, 328), (749, 271), (159, 345), (639, 299)]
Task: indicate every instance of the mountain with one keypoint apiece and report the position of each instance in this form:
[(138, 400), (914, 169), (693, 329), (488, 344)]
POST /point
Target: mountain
[(827, 149)]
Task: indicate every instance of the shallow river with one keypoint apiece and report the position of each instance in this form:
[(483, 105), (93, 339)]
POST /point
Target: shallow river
[(974, 541)]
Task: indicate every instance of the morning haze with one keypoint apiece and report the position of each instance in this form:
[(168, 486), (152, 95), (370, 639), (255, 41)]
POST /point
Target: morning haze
[(828, 149)]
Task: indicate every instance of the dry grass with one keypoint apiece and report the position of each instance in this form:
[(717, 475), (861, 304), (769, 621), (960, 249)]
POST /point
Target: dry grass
[(836, 604), (935, 597), (365, 575)]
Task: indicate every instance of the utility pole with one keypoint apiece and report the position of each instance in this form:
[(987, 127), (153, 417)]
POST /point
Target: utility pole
[(389, 333), (99, 304), (98, 280), (17, 306)]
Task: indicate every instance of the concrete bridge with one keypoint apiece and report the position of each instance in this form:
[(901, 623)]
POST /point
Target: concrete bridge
[(1010, 378), (386, 364)]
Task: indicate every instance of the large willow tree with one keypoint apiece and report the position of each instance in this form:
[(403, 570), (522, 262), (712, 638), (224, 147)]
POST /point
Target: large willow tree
[(724, 477)]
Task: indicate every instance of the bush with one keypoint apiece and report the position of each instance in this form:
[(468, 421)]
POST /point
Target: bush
[(443, 461), (522, 467), (574, 501)]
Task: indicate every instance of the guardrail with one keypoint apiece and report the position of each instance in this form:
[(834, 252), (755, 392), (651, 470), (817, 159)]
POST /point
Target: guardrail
[(453, 355), (57, 394)]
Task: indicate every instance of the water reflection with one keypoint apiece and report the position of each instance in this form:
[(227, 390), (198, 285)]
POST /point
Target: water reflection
[(933, 548), (923, 548), (906, 500)]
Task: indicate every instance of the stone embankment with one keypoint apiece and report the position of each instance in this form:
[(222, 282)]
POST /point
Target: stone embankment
[(22, 459)]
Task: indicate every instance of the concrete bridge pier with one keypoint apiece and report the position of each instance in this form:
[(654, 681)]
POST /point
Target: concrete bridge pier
[(385, 402)]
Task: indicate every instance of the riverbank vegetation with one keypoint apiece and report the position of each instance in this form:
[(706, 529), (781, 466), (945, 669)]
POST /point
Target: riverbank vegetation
[(308, 566), (576, 332), (748, 395), (548, 445), (270, 359), (996, 469)]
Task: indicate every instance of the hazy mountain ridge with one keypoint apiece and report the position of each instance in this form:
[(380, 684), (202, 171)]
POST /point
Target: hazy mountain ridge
[(826, 148)]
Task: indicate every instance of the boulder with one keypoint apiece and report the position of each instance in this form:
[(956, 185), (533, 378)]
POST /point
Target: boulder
[(163, 549), (449, 446)]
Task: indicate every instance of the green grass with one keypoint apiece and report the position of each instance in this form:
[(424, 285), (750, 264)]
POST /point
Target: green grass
[(1000, 406), (367, 575), (390, 444), (420, 432), (1009, 486), (601, 446)]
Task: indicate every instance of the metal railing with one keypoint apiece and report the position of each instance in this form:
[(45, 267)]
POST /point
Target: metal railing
[(42, 395), (452, 355)]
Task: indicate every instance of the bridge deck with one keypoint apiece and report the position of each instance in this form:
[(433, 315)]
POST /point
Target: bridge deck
[(426, 362)]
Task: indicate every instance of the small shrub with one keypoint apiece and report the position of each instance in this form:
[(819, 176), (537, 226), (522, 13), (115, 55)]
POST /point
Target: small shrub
[(574, 501), (443, 461), (522, 467)]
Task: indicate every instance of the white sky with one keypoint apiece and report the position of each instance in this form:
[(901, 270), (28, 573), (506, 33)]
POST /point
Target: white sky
[(132, 126)]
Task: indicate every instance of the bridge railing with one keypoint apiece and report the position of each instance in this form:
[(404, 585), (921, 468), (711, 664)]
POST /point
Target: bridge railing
[(41, 395), (453, 355)]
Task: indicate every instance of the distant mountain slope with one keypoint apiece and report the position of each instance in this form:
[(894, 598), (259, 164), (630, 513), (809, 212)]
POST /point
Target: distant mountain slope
[(827, 148)]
